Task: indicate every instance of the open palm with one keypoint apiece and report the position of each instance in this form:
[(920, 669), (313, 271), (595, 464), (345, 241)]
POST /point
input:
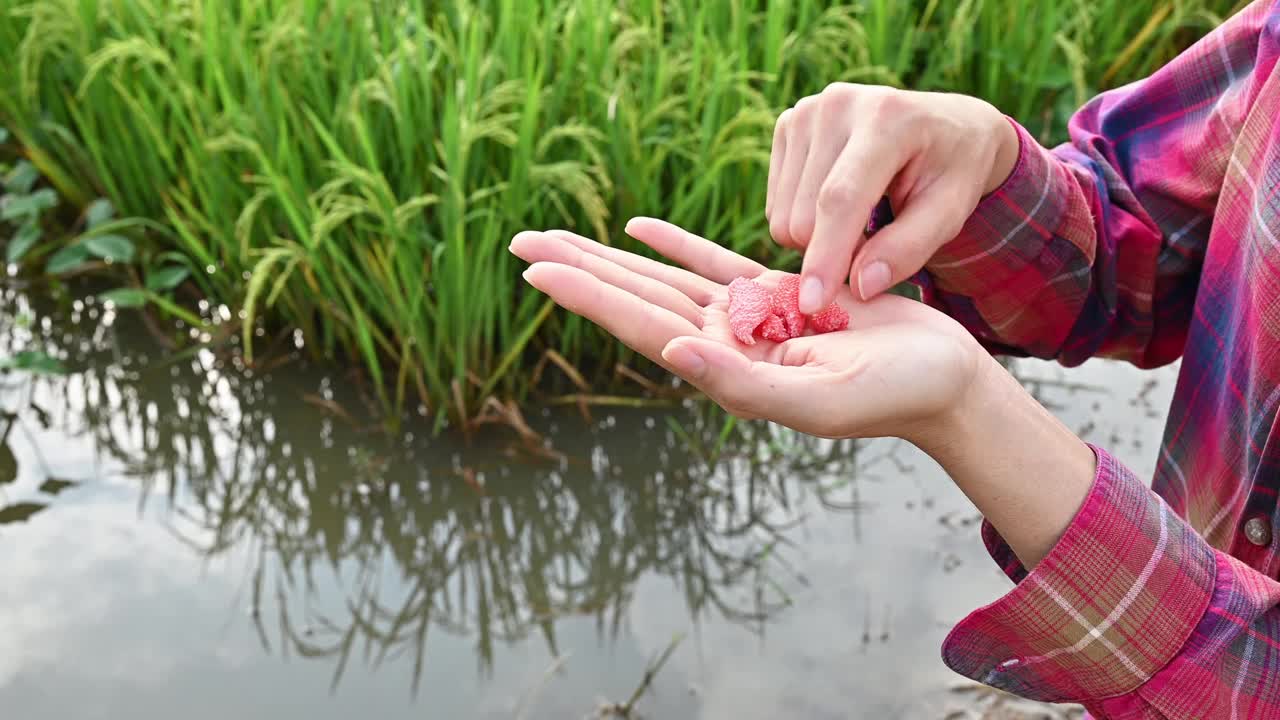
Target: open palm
[(897, 365)]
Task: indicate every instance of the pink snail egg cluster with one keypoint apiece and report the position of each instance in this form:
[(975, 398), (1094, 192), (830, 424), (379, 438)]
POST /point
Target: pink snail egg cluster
[(755, 312)]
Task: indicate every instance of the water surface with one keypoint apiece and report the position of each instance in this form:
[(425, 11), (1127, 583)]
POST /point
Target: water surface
[(181, 537)]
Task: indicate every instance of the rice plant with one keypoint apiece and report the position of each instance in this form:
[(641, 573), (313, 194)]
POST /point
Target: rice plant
[(355, 170)]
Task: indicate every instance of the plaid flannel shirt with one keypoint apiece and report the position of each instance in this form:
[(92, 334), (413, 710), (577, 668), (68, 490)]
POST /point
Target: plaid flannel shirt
[(1153, 234)]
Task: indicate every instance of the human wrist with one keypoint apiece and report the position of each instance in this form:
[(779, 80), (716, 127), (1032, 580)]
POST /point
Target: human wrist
[(1025, 471), (953, 429)]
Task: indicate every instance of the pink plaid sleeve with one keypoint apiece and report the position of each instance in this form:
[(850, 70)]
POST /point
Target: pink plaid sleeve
[(1131, 614), (1096, 247)]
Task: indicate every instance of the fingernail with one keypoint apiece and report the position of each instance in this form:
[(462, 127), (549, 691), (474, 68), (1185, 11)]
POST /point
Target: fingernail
[(810, 295), (685, 361), (874, 279), (518, 237), (631, 224)]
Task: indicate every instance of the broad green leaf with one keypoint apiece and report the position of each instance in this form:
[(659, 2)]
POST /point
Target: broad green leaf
[(22, 242), (98, 212), (167, 278), (19, 512), (21, 206), (4, 135), (116, 248), (125, 297), (21, 178), (34, 361), (67, 259)]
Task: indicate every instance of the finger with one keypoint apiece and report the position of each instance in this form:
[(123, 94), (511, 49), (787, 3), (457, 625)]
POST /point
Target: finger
[(698, 288), (702, 256), (902, 247), (830, 136), (742, 386), (642, 326), (851, 191), (777, 157), (540, 247), (798, 132)]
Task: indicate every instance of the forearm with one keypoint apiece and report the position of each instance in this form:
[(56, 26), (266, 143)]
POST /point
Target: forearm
[(1118, 603), (1024, 470)]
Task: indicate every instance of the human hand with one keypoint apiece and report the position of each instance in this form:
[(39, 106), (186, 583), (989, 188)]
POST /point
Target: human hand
[(901, 369), (836, 154)]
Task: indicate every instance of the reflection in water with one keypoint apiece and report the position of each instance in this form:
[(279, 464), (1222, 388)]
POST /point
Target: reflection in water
[(483, 540), (360, 552)]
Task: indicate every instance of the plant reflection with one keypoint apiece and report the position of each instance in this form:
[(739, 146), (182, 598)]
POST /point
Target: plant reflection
[(423, 534)]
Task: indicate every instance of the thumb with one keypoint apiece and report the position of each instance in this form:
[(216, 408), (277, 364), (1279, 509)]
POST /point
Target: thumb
[(901, 248), (737, 383)]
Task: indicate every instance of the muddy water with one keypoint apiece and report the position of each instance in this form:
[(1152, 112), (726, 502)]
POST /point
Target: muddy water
[(182, 538)]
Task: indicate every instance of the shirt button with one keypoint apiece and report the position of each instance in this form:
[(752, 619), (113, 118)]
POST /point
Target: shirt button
[(1258, 531)]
